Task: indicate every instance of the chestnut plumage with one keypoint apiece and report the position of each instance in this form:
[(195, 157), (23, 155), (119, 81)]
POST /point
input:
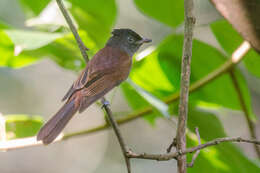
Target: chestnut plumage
[(107, 69)]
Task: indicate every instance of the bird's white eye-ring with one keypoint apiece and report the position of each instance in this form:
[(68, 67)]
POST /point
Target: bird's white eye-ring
[(130, 39)]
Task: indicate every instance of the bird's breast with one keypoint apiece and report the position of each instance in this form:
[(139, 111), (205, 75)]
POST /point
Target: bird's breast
[(122, 71)]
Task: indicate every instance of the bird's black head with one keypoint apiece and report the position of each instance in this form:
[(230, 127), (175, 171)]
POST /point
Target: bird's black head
[(127, 40)]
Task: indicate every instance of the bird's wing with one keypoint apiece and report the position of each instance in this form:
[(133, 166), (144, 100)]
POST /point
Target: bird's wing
[(95, 91), (78, 84), (101, 70)]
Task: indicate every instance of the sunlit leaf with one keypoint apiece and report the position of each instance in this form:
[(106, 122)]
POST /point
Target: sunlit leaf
[(33, 8), (96, 17), (20, 126), (230, 40), (170, 12), (155, 102), (8, 58), (136, 101), (159, 73), (29, 40), (252, 62), (65, 52)]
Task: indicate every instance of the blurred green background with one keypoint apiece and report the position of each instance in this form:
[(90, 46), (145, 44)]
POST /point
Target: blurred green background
[(39, 60)]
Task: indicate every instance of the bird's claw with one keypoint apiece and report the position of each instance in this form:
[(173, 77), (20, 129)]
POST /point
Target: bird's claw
[(105, 103)]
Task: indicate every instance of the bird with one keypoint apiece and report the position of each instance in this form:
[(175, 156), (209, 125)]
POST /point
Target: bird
[(107, 69)]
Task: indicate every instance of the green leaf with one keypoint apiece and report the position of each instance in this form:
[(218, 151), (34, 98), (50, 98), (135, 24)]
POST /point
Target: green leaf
[(159, 73), (33, 8), (230, 40), (221, 158), (96, 17), (242, 84), (170, 12), (155, 102), (65, 52), (29, 40), (252, 62), (136, 101), (149, 75), (3, 25), (20, 126), (8, 58)]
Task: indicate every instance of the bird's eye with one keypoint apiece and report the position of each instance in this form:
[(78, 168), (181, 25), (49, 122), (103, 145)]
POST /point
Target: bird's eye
[(130, 39)]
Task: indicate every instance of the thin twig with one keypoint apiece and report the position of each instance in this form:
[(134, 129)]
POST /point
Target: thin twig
[(175, 155), (250, 123), (114, 124), (185, 83), (173, 144), (30, 142), (73, 29), (197, 152)]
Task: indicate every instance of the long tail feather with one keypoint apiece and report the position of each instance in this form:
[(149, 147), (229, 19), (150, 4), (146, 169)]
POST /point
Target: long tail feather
[(57, 123)]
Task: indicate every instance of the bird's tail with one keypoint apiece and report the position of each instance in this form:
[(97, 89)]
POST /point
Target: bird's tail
[(57, 123)]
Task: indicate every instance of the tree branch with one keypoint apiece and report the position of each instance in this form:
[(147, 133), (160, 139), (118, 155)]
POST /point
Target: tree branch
[(185, 83), (118, 133), (175, 155), (173, 144), (73, 29), (197, 152), (250, 123)]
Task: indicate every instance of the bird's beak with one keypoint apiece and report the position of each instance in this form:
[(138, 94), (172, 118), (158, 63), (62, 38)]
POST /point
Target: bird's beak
[(144, 40)]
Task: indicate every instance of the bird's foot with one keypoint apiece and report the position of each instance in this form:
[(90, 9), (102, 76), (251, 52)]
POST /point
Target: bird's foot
[(105, 103)]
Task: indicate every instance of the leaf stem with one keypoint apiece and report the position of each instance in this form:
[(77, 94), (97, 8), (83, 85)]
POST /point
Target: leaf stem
[(241, 99)]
